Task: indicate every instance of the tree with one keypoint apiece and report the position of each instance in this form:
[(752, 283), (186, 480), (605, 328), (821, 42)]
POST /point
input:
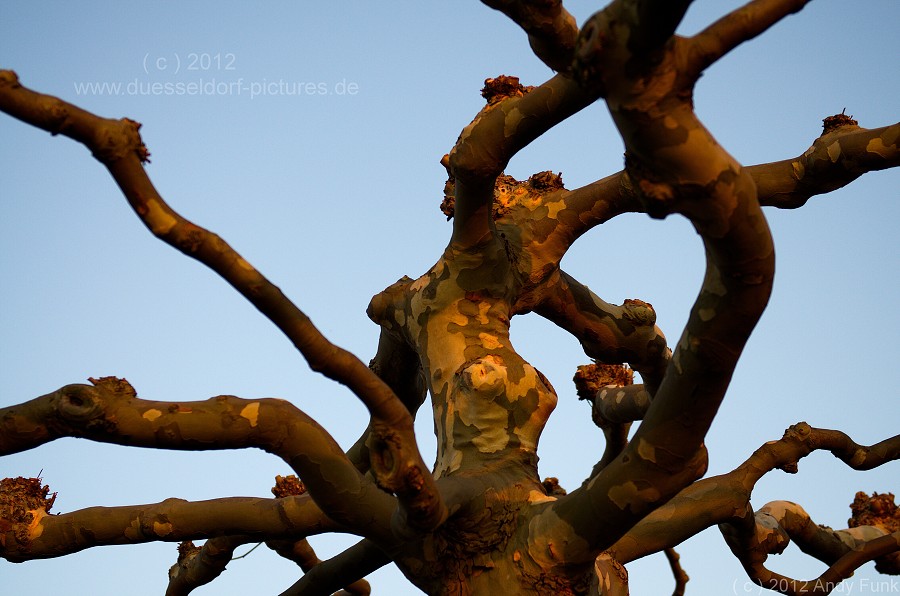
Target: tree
[(538, 285)]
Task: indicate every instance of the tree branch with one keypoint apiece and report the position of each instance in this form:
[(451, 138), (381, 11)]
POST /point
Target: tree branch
[(172, 520), (551, 30), (718, 499), (516, 117), (735, 28), (302, 553), (835, 159), (681, 578), (397, 463), (596, 383), (608, 333), (357, 561), (198, 566), (110, 412)]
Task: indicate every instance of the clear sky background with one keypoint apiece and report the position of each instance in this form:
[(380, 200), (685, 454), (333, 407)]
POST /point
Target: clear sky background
[(333, 193)]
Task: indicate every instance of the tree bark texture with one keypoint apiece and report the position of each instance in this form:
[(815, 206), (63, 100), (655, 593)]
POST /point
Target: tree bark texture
[(482, 521)]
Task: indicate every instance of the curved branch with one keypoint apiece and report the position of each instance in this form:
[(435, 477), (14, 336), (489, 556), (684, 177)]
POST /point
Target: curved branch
[(551, 30), (357, 561), (834, 160), (753, 537), (513, 120), (110, 412), (718, 499), (198, 566), (397, 464), (608, 333), (681, 578), (302, 553), (742, 24), (172, 520)]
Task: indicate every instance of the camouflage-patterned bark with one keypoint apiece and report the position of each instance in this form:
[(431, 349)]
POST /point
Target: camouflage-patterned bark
[(482, 521)]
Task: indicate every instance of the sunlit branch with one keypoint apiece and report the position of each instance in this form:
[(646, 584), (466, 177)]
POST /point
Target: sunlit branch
[(516, 117), (753, 537)]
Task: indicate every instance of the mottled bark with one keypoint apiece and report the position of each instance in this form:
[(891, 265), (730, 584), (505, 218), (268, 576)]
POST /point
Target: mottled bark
[(482, 521)]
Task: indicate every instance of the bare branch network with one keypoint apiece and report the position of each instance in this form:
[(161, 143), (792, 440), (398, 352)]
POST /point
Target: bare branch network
[(481, 520)]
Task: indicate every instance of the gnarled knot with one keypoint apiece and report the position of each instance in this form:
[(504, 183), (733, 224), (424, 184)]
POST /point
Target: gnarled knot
[(288, 486), (486, 376), (115, 139), (386, 457), (502, 87), (799, 431), (23, 502), (638, 312), (837, 121), (80, 403), (9, 77), (591, 378)]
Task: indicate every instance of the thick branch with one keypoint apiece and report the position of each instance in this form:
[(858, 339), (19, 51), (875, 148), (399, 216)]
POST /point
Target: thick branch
[(110, 412), (496, 134), (551, 29), (675, 166), (834, 160), (608, 333), (172, 520)]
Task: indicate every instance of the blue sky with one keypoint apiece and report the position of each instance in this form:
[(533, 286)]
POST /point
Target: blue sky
[(314, 150)]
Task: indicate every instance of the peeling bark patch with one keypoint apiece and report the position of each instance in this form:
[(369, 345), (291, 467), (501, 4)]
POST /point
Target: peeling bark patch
[(163, 221), (162, 529), (511, 122), (878, 147), (152, 414), (646, 450), (834, 151), (133, 531), (490, 342), (251, 413), (625, 494)]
